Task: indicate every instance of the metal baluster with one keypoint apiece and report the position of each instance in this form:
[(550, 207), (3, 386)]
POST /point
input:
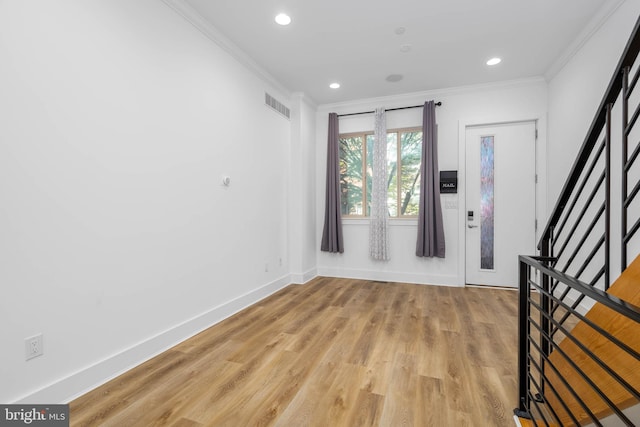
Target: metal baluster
[(607, 199), (625, 155)]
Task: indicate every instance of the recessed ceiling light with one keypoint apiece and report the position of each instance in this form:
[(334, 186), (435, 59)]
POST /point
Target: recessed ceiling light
[(494, 61), (334, 85), (283, 19), (405, 48), (400, 30), (394, 78)]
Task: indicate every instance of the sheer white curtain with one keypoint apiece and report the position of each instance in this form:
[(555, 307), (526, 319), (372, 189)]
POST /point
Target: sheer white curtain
[(378, 245)]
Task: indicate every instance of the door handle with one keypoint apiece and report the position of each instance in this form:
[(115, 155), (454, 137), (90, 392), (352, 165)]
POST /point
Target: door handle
[(472, 226)]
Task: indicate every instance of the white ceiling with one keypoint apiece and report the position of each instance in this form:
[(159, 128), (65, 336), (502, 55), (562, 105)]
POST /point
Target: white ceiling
[(354, 42)]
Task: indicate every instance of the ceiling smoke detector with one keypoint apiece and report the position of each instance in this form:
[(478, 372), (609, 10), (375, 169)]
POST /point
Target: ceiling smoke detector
[(394, 78)]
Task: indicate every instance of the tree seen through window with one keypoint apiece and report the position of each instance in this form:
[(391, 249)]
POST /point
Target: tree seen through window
[(404, 150)]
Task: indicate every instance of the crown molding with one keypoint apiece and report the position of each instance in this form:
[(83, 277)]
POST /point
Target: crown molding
[(192, 16), (391, 100), (585, 35), (304, 98)]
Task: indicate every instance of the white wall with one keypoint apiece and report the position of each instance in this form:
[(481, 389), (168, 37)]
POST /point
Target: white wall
[(575, 93), (117, 239), (302, 214), (576, 90), (509, 101)]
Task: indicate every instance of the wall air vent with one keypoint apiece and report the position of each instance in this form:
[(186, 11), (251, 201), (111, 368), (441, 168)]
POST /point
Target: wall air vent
[(277, 105)]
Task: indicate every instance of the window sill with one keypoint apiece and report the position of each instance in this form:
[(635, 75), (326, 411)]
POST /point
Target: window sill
[(393, 222)]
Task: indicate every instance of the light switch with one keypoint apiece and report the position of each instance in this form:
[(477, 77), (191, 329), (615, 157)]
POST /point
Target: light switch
[(451, 203)]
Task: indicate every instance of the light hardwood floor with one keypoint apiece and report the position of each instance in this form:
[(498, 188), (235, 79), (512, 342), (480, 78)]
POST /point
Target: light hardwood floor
[(333, 352)]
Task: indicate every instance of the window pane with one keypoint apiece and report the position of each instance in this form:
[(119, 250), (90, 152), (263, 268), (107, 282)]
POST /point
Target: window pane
[(411, 152), (392, 173), (403, 172), (486, 202), (351, 175)]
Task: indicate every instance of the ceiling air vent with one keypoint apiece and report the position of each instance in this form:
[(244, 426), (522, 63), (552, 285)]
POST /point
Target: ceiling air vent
[(277, 105)]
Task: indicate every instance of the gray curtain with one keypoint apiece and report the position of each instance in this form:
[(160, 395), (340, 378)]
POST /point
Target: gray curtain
[(332, 231), (430, 229)]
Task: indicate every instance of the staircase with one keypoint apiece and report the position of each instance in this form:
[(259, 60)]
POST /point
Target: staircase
[(621, 366), (579, 332), (578, 369)]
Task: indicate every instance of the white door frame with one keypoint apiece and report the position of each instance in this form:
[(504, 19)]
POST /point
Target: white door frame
[(541, 173)]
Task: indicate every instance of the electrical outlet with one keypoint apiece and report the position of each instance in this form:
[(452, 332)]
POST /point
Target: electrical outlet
[(33, 347)]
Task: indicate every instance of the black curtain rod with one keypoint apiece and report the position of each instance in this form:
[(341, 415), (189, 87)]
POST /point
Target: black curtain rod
[(389, 109)]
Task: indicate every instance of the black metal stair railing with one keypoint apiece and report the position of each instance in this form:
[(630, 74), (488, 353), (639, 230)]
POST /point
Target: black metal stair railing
[(574, 269), (547, 393)]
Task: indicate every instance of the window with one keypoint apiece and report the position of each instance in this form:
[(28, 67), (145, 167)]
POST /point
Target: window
[(404, 151)]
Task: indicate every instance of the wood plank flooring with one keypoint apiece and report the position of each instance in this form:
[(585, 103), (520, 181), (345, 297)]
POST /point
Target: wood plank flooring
[(333, 352)]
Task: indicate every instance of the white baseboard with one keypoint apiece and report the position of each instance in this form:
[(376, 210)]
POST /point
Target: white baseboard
[(517, 421), (302, 278), (390, 276), (88, 378)]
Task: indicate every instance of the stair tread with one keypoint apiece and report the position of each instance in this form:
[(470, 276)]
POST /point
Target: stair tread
[(627, 288)]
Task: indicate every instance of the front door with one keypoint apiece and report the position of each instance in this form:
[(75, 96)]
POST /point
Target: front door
[(500, 206)]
